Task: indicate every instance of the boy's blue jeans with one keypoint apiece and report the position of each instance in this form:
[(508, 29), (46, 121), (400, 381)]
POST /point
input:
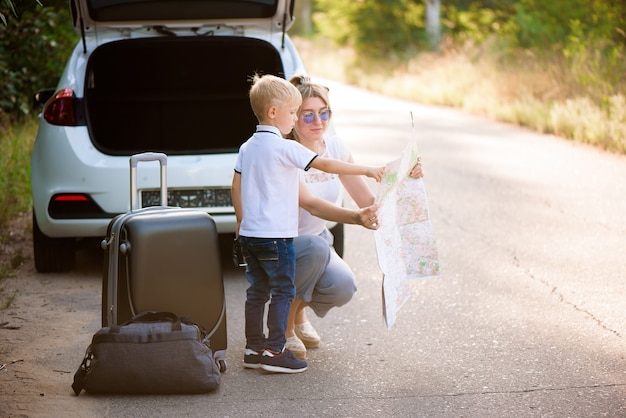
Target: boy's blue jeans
[(271, 268)]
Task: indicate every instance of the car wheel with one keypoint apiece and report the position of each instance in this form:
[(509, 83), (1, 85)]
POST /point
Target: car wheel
[(337, 232), (52, 254)]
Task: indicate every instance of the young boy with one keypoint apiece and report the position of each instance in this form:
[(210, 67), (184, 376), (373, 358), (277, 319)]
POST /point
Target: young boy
[(265, 198)]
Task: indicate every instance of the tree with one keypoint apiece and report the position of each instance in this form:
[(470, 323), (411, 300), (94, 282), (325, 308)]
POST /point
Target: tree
[(377, 28), (34, 47)]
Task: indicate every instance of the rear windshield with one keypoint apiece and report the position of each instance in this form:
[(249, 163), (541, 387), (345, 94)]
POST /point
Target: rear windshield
[(150, 10)]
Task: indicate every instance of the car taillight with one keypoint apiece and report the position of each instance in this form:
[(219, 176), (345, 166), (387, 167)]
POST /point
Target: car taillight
[(70, 198), (60, 109), (75, 206)]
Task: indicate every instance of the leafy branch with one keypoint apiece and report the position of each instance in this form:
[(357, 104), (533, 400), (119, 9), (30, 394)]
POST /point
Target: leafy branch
[(9, 6)]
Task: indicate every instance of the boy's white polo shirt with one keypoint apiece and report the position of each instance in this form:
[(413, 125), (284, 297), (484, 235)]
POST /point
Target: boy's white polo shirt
[(269, 166)]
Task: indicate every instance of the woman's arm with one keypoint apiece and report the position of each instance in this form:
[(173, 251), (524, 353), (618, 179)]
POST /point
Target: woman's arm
[(359, 191), (357, 188), (367, 217)]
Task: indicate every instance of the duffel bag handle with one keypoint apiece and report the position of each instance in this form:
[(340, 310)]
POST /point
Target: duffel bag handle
[(152, 316)]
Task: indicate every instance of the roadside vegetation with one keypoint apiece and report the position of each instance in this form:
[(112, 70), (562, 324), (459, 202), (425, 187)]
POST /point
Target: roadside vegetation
[(555, 67), (36, 38), (535, 93)]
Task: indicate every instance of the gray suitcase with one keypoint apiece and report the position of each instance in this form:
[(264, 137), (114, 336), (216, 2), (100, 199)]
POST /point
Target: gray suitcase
[(164, 259)]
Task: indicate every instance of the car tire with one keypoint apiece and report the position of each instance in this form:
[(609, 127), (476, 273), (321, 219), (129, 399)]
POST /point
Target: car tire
[(52, 255), (337, 232)]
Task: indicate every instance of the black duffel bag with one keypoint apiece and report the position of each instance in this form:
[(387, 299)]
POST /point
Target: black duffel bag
[(154, 352)]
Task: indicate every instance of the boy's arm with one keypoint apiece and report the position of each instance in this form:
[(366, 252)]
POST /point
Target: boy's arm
[(367, 217), (340, 167), (236, 197)]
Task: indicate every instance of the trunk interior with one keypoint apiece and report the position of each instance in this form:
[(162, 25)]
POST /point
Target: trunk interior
[(175, 95)]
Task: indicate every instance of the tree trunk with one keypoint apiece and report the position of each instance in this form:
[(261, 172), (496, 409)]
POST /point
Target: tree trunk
[(433, 27)]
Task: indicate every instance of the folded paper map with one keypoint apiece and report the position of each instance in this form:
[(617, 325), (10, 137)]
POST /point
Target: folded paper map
[(405, 242)]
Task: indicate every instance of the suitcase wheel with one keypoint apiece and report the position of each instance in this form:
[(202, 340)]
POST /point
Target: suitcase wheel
[(222, 364)]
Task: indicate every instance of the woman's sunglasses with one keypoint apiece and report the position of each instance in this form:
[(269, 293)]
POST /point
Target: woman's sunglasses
[(309, 117)]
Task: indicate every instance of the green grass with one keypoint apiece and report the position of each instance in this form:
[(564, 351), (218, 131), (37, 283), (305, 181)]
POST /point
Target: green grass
[(16, 143)]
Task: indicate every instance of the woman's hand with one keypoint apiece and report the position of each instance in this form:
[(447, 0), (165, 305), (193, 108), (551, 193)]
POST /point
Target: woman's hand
[(368, 216), (416, 171)]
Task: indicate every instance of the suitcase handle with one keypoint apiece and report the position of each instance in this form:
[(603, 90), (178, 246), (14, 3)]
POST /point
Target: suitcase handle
[(145, 157)]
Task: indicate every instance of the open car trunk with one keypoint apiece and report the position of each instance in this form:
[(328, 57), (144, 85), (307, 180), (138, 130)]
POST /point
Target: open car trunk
[(174, 95)]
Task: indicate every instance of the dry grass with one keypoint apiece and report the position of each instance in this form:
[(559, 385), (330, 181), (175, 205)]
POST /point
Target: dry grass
[(539, 93)]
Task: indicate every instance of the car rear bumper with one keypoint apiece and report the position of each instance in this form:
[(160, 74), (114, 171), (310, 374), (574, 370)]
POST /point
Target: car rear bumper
[(72, 168)]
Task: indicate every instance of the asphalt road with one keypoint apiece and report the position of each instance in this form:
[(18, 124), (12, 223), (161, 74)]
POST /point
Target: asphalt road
[(527, 319)]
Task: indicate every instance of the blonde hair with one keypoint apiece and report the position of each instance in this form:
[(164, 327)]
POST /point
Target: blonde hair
[(308, 89), (268, 91)]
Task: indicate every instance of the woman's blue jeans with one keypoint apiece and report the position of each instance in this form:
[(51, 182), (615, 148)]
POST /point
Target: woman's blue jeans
[(271, 268)]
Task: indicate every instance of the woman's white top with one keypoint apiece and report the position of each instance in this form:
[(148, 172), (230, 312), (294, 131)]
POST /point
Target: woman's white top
[(323, 185)]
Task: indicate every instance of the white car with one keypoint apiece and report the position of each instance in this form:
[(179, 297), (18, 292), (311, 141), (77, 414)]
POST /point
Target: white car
[(164, 76)]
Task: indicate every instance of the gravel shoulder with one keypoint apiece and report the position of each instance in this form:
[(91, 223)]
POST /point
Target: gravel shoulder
[(44, 329)]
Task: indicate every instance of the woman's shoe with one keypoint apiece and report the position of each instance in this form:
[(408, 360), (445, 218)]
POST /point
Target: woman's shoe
[(296, 346), (308, 335)]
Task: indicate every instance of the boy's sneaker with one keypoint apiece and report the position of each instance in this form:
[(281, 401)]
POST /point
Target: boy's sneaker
[(283, 362), (251, 359)]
